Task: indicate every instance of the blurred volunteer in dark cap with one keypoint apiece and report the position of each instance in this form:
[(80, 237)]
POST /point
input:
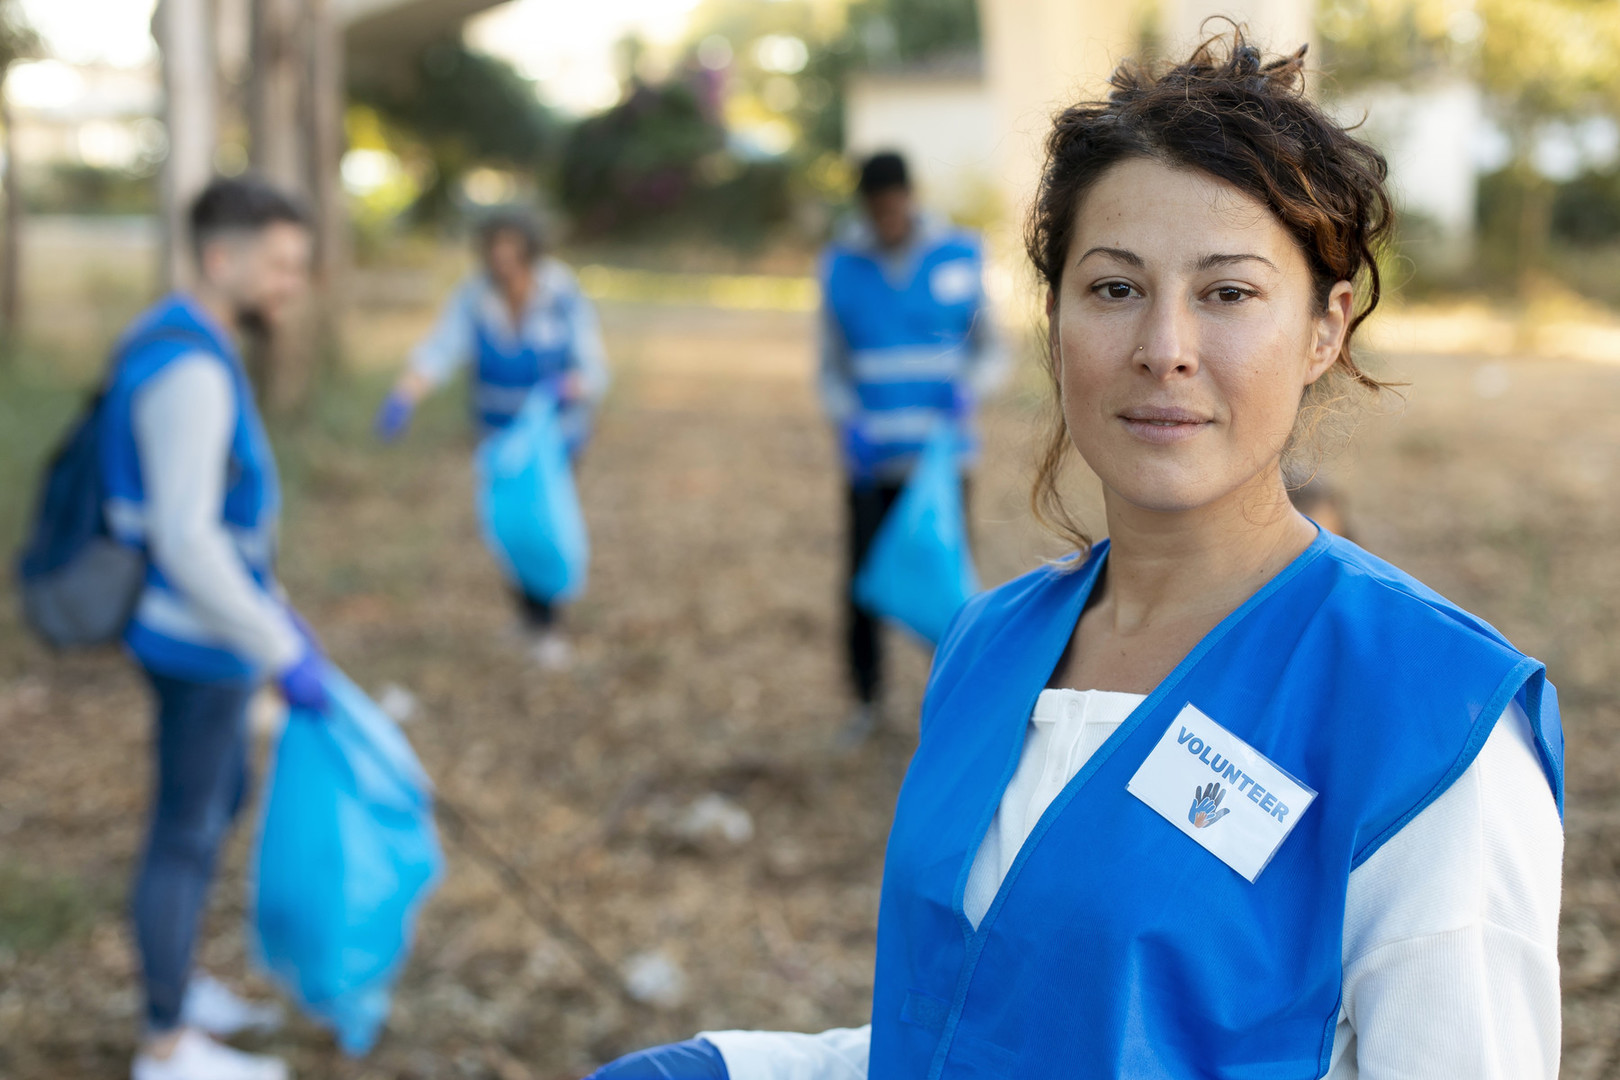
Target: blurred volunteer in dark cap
[(907, 343), (191, 479), (521, 325)]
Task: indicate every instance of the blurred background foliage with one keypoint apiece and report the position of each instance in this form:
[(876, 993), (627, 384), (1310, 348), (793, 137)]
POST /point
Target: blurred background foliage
[(735, 138), (1549, 71)]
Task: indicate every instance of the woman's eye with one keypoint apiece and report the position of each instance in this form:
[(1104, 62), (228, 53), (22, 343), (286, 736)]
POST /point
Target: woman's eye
[(1231, 294), (1115, 290)]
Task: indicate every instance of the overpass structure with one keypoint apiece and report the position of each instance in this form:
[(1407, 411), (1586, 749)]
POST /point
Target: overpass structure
[(377, 33)]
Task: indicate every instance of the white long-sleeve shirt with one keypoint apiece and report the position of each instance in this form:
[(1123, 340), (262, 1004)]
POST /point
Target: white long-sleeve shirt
[(1450, 945), (183, 418)]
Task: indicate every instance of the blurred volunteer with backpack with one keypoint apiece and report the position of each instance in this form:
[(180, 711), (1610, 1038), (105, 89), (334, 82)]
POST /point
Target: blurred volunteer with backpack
[(1222, 796), (522, 326), (907, 344), (190, 479)]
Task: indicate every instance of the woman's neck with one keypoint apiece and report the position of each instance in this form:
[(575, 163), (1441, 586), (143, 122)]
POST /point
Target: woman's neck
[(1168, 566)]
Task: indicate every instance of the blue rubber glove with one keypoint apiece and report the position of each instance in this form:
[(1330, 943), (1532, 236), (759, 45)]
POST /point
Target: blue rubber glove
[(694, 1059), (861, 457), (304, 683), (961, 402), (393, 417)]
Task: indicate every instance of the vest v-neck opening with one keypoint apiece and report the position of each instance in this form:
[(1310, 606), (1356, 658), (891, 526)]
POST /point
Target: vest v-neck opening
[(1071, 614)]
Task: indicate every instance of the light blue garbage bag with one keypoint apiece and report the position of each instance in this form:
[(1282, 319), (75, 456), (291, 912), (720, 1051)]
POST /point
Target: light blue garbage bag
[(919, 569), (528, 506), (347, 855)]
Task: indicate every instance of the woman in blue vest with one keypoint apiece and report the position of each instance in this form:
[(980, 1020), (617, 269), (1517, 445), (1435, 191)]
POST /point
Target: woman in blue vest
[(190, 479), (522, 326), (1222, 796), (907, 344)]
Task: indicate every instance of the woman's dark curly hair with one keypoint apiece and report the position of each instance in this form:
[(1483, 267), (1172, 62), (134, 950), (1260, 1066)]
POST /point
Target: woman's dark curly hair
[(1245, 120)]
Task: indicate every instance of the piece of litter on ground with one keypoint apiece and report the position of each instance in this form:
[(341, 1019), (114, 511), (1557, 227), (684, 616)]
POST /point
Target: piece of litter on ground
[(654, 978), (397, 703), (714, 817)]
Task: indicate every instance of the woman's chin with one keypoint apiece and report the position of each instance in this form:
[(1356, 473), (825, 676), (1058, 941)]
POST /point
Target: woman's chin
[(1167, 491)]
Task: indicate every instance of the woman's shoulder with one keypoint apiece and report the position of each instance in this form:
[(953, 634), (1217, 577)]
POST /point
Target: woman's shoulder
[(987, 613), (1372, 589)]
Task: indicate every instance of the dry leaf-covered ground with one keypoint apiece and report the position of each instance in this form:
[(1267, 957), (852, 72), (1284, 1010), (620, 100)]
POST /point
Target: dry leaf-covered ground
[(707, 663)]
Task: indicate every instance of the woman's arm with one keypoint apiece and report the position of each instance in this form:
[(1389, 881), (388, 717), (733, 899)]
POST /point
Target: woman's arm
[(446, 349), (1451, 930)]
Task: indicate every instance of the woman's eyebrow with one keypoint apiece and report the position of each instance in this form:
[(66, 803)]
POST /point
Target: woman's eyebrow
[(1210, 262), (1130, 258)]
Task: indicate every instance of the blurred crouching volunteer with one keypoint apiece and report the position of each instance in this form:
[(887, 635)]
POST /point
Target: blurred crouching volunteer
[(523, 326), (1222, 796), (907, 344), (191, 479)]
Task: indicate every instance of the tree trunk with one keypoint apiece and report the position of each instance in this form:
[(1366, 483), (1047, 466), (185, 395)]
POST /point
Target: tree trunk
[(184, 32), (295, 109), (11, 242), (326, 142)]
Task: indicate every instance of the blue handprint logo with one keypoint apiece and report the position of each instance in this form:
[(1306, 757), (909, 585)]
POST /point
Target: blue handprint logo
[(1206, 806)]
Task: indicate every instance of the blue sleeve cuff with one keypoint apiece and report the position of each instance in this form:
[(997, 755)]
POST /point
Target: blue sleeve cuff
[(694, 1059)]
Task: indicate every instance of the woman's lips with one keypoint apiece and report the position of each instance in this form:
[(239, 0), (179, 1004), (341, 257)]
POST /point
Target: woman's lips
[(1163, 425)]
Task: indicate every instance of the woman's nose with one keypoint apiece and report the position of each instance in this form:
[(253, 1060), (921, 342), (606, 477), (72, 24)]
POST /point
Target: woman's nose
[(1168, 345)]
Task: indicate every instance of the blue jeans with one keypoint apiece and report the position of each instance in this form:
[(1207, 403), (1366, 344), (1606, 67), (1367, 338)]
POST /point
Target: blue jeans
[(201, 750)]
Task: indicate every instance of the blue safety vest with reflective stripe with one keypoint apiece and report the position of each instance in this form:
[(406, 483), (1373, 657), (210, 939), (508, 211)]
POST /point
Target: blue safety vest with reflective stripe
[(508, 367), (1117, 946), (908, 339), (165, 634)]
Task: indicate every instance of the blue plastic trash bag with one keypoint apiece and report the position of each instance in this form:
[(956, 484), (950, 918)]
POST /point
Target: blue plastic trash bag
[(347, 855), (528, 506), (919, 570)]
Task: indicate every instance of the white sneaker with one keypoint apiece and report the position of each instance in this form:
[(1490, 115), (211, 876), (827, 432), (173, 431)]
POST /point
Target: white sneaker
[(551, 651), (214, 1008), (197, 1057)]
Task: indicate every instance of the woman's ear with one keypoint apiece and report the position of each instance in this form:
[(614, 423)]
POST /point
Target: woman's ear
[(1332, 327)]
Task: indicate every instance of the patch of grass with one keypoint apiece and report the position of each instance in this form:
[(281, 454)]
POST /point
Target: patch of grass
[(36, 403), (39, 911)]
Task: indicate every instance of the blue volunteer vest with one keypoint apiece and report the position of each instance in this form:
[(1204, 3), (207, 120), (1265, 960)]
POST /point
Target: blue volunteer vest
[(165, 634), (908, 340), (509, 366), (1118, 947)]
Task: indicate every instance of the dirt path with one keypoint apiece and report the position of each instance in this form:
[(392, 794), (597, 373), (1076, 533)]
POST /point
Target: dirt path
[(707, 664)]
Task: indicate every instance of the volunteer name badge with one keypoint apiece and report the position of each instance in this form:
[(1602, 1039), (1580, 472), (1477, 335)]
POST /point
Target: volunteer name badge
[(1221, 792)]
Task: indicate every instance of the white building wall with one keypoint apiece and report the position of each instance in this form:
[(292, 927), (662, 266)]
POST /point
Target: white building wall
[(1430, 135), (944, 125)]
